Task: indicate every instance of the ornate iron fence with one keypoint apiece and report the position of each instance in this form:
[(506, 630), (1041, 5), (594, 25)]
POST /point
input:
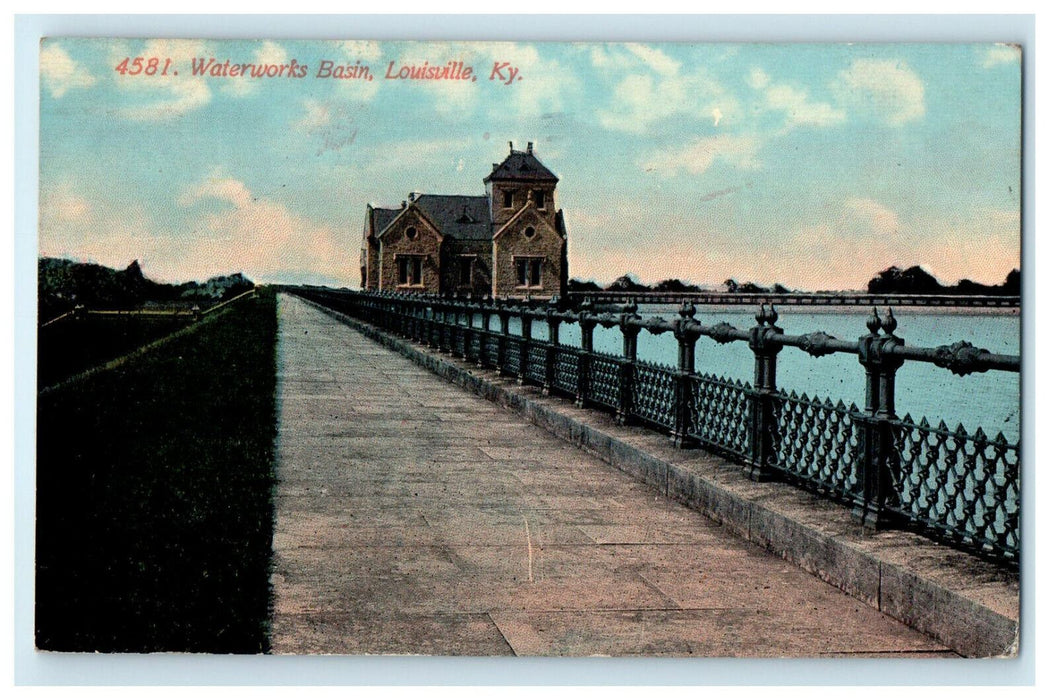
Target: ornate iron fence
[(959, 487)]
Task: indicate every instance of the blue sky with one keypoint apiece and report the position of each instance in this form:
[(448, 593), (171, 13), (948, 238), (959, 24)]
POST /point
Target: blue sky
[(810, 165)]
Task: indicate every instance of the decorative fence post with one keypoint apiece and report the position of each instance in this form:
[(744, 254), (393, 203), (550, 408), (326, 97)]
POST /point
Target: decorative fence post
[(526, 340), (436, 330), (504, 330), (551, 356), (873, 472), (467, 333), (683, 392), (763, 392), (587, 345), (449, 325), (627, 362), (486, 318), (446, 339)]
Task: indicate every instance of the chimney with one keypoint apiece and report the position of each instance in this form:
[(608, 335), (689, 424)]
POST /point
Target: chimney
[(511, 146), (403, 204), (530, 148), (411, 196)]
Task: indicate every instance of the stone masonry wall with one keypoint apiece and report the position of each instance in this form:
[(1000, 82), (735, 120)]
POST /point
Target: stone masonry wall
[(513, 243), (425, 244)]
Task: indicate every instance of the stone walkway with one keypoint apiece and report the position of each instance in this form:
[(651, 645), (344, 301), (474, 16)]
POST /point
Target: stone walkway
[(415, 518)]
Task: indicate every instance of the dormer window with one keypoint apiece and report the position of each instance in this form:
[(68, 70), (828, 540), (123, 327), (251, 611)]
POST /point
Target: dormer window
[(508, 199), (411, 232), (541, 199)]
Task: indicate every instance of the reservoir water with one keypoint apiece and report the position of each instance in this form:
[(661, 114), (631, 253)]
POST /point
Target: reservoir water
[(988, 400)]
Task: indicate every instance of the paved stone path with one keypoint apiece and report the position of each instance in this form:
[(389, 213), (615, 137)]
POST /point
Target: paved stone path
[(415, 518)]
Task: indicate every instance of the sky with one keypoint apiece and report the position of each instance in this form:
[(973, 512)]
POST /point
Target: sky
[(810, 165)]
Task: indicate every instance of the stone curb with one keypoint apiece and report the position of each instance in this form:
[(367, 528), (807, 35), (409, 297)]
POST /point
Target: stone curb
[(969, 605)]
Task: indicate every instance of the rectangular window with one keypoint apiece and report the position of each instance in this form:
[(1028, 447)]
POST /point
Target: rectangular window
[(541, 199), (529, 272), (408, 269), (508, 199), (465, 270)]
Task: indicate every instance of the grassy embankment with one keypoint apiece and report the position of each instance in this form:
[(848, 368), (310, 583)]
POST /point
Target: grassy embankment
[(71, 345), (154, 495)]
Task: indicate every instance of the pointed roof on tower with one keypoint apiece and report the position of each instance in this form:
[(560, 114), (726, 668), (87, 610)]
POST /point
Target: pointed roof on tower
[(521, 166)]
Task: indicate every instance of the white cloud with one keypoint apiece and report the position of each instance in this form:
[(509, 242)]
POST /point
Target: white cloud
[(182, 97), (794, 103), (1001, 54), (881, 219), (758, 79), (655, 87), (544, 85), (73, 226), (416, 152), (886, 87), (608, 57), (627, 57), (219, 226), (269, 53), (62, 206), (640, 100), (655, 58), (178, 94), (701, 154), (61, 73), (317, 115), (364, 51), (540, 86), (862, 237), (258, 235), (798, 110), (225, 189)]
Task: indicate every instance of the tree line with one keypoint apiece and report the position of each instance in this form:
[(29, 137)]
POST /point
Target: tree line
[(892, 280)]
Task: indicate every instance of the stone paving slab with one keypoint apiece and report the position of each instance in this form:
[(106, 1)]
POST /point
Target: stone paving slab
[(414, 518)]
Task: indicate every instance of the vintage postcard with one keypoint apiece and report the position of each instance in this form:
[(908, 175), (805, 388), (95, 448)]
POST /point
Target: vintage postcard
[(534, 349)]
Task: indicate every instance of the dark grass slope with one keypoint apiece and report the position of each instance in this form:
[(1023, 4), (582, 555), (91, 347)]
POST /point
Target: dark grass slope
[(154, 496), (74, 345)]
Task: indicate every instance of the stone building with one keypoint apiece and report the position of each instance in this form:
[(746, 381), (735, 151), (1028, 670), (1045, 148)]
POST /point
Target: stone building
[(510, 241)]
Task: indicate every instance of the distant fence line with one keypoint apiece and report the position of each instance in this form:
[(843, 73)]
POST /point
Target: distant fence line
[(208, 315), (193, 313), (798, 299), (959, 487)]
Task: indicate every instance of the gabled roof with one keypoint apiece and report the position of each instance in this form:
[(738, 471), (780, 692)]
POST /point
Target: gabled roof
[(521, 165), (380, 218), (462, 217)]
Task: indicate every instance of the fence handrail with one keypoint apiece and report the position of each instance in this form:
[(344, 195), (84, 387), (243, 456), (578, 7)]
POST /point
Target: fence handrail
[(960, 358)]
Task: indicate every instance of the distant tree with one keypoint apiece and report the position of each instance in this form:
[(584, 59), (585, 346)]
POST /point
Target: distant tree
[(750, 288), (780, 289), (731, 285), (626, 283), (913, 280), (675, 285), (578, 285), (968, 287), (1012, 284)]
